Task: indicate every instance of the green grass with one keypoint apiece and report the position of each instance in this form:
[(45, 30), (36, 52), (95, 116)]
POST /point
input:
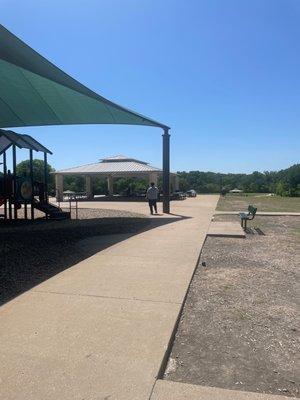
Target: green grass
[(240, 202)]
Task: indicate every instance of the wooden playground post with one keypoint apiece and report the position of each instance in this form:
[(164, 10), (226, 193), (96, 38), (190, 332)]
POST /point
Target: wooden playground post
[(32, 181), (5, 184), (45, 178), (14, 151)]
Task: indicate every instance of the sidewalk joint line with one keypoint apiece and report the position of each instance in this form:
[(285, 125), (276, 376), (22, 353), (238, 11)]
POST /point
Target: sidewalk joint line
[(105, 297)]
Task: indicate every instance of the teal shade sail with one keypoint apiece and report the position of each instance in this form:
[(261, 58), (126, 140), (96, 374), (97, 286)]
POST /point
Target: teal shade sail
[(34, 92)]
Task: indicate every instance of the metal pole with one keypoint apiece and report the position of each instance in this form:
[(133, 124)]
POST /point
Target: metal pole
[(15, 180), (5, 185), (9, 182), (45, 178), (32, 180), (166, 171)]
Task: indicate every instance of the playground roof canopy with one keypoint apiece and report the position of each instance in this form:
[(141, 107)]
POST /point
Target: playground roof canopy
[(35, 92), (9, 138)]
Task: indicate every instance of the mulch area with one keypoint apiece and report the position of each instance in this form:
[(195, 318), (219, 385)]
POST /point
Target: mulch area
[(33, 251), (240, 328)]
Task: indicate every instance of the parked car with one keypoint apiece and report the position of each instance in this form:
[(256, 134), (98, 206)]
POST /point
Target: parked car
[(191, 193), (178, 195)]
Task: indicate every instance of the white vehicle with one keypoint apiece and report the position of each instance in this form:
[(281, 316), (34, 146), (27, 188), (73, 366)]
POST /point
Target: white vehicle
[(191, 193)]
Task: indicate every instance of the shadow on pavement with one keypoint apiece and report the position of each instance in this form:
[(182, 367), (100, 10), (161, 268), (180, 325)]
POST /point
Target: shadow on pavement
[(33, 253)]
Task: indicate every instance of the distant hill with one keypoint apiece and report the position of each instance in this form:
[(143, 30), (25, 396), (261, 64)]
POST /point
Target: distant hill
[(285, 182)]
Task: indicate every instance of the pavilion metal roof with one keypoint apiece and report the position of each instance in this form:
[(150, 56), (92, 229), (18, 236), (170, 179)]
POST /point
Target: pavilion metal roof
[(112, 165), (8, 138), (121, 158), (33, 91)]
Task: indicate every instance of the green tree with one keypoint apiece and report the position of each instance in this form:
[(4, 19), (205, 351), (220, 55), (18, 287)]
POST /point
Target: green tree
[(281, 189), (99, 185), (74, 183), (136, 185), (23, 170), (285, 182)]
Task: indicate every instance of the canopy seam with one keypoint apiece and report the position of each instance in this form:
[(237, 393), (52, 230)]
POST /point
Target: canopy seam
[(19, 118), (39, 95)]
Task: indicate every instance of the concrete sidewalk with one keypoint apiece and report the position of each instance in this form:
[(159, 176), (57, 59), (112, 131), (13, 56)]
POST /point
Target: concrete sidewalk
[(226, 229), (100, 329), (168, 390), (262, 213)]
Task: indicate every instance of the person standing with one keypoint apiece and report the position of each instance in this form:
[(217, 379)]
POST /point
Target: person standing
[(152, 196)]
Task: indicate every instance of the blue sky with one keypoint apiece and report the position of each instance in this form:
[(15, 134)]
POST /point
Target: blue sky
[(223, 74)]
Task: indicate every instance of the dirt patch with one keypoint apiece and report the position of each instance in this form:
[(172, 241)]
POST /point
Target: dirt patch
[(239, 327)]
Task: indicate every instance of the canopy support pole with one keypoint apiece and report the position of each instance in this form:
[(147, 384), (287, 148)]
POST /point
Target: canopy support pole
[(166, 171)]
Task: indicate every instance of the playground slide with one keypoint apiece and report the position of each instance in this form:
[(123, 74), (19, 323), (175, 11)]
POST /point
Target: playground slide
[(52, 211)]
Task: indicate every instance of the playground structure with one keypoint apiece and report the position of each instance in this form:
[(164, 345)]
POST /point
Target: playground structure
[(19, 191)]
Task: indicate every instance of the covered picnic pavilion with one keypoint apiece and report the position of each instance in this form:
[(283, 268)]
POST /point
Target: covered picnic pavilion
[(111, 168), (34, 92)]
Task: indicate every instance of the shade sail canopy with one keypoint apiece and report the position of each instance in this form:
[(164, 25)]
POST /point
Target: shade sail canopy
[(35, 92)]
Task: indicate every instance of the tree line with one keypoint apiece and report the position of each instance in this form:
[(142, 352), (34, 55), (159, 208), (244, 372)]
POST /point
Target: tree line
[(285, 182)]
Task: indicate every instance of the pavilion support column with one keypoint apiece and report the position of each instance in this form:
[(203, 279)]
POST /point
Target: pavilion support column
[(88, 187), (166, 171), (153, 177), (59, 187), (110, 185)]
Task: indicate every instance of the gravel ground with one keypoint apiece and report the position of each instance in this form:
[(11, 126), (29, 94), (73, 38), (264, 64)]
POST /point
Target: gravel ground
[(33, 251), (239, 327)]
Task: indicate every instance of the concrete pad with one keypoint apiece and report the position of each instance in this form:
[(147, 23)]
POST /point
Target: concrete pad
[(132, 278), (262, 213), (72, 348), (137, 267), (100, 329), (226, 229), (168, 390)]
